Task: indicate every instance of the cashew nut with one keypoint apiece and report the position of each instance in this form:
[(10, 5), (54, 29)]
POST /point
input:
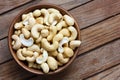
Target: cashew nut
[(73, 33), (44, 32), (19, 55), (74, 44), (13, 42), (52, 10), (53, 31), (17, 40), (52, 63), (46, 15), (31, 21), (69, 20), (58, 37), (39, 39), (61, 58), (35, 30), (39, 20), (26, 52), (26, 42), (18, 32), (53, 53), (65, 32), (30, 64), (68, 52), (62, 42), (37, 13), (18, 25), (34, 47), (33, 58), (47, 46), (42, 58), (45, 67), (54, 16), (60, 25), (26, 32)]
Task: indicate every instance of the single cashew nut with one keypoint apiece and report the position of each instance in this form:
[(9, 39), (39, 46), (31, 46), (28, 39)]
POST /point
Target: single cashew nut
[(61, 58), (52, 10), (53, 53), (41, 59), (73, 33), (39, 39), (53, 31), (62, 42), (65, 32), (26, 52), (34, 48), (18, 25), (37, 13), (18, 32), (39, 20), (44, 32), (19, 55), (33, 58), (45, 67), (58, 37), (69, 20), (46, 15), (52, 63), (74, 44), (26, 42), (61, 24), (31, 21), (35, 30), (17, 40), (59, 63), (68, 52), (47, 46), (26, 32), (54, 16)]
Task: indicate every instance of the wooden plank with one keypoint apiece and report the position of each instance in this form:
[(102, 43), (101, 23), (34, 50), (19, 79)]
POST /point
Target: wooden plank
[(93, 36), (6, 5), (110, 74), (11, 71), (89, 64), (7, 18)]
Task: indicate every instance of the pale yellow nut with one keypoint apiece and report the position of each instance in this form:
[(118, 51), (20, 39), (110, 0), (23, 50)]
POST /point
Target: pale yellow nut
[(53, 10), (37, 13), (46, 16), (44, 32), (26, 32), (18, 25), (52, 63), (69, 20), (68, 52), (58, 37), (53, 53), (26, 52), (33, 58), (38, 40), (31, 21), (24, 16), (74, 44), (45, 67), (65, 32), (30, 64), (34, 48), (18, 32), (19, 55), (61, 24), (61, 58), (39, 20)]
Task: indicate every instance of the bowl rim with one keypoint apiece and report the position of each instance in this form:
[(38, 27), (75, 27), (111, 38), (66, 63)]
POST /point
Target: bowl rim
[(20, 63)]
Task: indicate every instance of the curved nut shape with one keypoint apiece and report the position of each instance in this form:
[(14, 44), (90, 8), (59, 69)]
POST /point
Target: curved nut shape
[(18, 25), (37, 13), (53, 53), (74, 44), (49, 47), (58, 37), (53, 10), (19, 55), (33, 58), (69, 20), (18, 32), (64, 32), (73, 33), (68, 52), (45, 67), (52, 63), (26, 32), (26, 52), (62, 42), (26, 42), (44, 32), (54, 16), (61, 24), (34, 48), (53, 31), (43, 58), (46, 15), (35, 30), (31, 21), (39, 39), (61, 58), (39, 20), (17, 40)]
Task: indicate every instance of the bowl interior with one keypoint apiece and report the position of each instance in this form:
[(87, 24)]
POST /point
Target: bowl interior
[(18, 18)]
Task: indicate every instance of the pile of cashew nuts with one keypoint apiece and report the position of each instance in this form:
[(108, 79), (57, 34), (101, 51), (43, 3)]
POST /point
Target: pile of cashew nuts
[(45, 39)]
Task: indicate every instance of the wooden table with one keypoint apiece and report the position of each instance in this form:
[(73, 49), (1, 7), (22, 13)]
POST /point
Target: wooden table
[(99, 54)]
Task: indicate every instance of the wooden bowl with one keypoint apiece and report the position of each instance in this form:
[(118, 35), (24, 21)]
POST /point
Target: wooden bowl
[(18, 18)]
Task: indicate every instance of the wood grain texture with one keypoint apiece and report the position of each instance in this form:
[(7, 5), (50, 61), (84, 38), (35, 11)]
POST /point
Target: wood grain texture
[(7, 18), (110, 74), (89, 64), (6, 5)]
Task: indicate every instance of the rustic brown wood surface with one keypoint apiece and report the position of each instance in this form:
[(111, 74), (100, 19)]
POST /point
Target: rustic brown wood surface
[(99, 54)]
